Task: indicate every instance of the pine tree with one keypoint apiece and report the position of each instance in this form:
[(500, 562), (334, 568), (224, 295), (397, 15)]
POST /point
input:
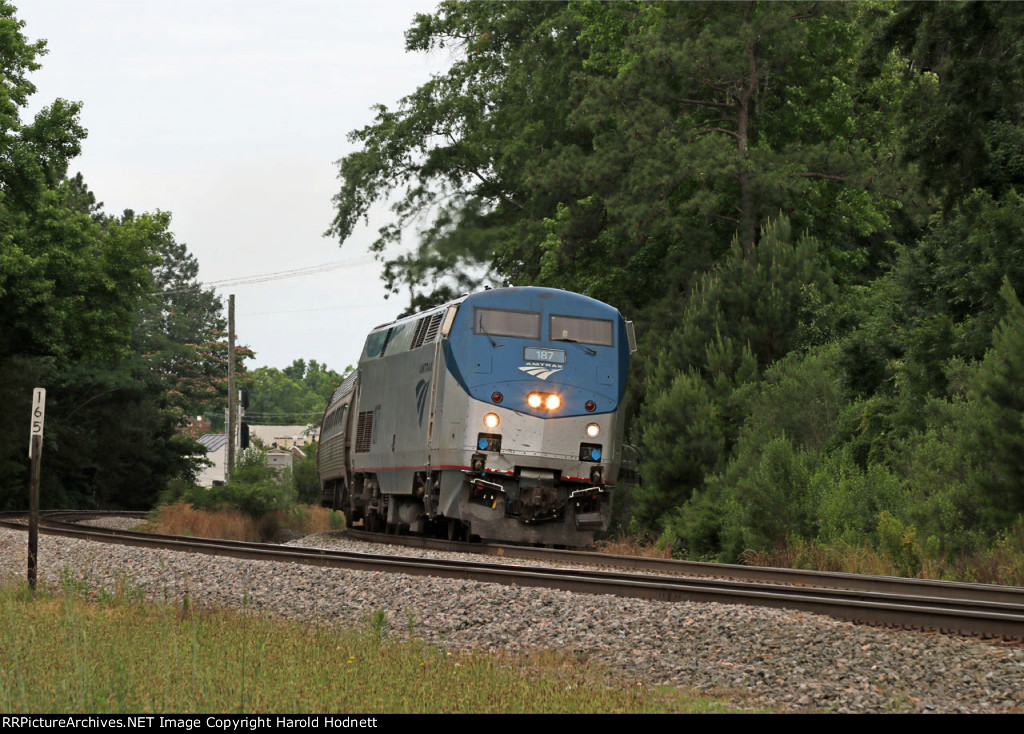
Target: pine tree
[(999, 385)]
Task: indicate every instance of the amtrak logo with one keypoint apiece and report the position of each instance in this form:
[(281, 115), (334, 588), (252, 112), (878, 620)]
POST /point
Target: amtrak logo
[(539, 371), (422, 388)]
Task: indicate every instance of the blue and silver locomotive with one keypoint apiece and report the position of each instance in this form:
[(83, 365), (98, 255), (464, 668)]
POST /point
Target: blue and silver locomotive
[(494, 416)]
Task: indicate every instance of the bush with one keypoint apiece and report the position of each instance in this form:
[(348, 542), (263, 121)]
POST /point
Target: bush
[(305, 476), (254, 489), (256, 500), (849, 499)]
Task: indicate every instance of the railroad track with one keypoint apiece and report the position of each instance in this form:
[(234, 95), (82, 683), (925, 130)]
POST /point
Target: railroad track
[(973, 609), (786, 576)]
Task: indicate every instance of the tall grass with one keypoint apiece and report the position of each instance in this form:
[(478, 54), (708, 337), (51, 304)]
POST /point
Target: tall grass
[(1002, 564), (62, 653), (905, 555), (182, 518), (632, 546)]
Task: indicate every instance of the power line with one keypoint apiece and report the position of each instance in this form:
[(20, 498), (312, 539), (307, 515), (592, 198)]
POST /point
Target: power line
[(307, 310), (255, 414), (266, 277)]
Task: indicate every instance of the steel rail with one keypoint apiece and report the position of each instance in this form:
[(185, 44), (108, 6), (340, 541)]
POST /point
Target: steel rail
[(766, 574), (965, 615)]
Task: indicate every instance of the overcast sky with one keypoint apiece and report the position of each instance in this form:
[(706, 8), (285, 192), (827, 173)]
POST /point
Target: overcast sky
[(230, 114)]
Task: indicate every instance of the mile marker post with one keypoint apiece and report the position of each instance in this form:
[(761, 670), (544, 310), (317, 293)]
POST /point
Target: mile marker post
[(35, 452)]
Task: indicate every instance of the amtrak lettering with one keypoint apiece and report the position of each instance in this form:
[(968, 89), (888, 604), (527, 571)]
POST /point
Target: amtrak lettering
[(541, 371)]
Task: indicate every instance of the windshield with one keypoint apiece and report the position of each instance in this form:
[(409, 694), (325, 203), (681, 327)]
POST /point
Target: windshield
[(599, 332), (496, 322)]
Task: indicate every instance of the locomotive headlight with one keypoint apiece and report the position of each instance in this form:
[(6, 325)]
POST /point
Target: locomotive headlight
[(491, 420), (593, 430), (547, 400)]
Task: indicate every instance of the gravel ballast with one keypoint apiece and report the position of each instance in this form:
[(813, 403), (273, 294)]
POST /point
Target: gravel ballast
[(785, 659)]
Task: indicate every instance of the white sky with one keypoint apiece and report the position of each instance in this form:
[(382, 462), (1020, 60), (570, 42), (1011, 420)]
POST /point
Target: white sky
[(229, 114)]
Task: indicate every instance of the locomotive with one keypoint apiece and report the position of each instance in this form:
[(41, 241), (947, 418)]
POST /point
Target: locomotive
[(495, 416)]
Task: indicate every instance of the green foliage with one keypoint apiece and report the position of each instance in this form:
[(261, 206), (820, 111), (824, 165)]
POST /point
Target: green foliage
[(306, 477), (694, 530), (257, 499), (298, 394), (949, 281), (849, 499), (771, 499), (102, 311), (680, 448), (937, 465), (742, 315), (254, 488), (999, 387), (898, 542), (787, 480), (616, 148), (964, 125), (461, 147), (118, 381), (754, 299)]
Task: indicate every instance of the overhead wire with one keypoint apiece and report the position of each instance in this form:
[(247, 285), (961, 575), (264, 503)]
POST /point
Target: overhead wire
[(266, 277)]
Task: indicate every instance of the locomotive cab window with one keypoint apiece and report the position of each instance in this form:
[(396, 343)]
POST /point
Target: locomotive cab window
[(497, 322), (599, 332)]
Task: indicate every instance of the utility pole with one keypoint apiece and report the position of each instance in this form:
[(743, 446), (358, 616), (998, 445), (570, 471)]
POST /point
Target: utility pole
[(232, 392)]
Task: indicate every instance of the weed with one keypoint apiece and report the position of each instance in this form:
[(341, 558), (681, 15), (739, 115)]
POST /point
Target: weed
[(71, 583), (377, 621), (633, 546), (126, 590)]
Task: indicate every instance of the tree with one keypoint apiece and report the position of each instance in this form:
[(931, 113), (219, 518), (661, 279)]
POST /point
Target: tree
[(298, 394), (965, 126), (306, 477), (181, 331), (78, 314), (456, 147), (741, 317), (999, 385), (616, 149)]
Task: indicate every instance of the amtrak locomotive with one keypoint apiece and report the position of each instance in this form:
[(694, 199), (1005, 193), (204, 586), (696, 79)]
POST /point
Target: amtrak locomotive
[(494, 416)]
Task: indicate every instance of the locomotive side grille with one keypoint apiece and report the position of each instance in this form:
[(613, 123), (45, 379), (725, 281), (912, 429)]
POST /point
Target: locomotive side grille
[(421, 329), (433, 327), (426, 329), (364, 430)]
